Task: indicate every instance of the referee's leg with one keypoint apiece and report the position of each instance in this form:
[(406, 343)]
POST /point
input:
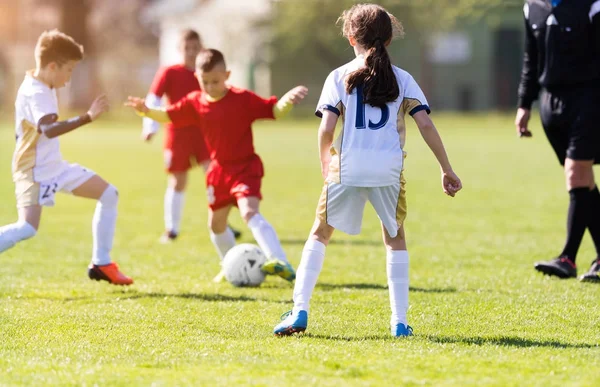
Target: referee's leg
[(570, 131), (579, 180), (579, 176)]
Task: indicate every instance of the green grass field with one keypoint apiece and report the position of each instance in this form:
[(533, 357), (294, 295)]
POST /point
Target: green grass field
[(481, 314)]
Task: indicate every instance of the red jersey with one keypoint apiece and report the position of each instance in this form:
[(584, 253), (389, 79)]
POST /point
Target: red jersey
[(226, 124), (175, 82)]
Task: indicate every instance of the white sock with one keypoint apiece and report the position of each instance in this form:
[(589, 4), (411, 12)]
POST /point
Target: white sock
[(173, 208), (223, 242), (266, 237), (11, 234), (103, 226), (397, 274), (310, 266)]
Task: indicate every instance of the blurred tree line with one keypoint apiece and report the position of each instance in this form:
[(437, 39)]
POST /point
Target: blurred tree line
[(118, 47), (308, 44)]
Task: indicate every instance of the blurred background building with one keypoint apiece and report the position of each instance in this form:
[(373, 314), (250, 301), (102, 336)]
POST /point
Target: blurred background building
[(465, 54)]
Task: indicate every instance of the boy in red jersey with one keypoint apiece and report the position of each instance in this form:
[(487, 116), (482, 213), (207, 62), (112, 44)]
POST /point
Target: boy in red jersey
[(225, 115), (182, 144)]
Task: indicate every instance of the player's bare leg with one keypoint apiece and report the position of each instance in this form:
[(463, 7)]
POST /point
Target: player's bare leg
[(174, 199), (309, 269), (220, 235), (397, 276), (204, 164), (267, 239), (103, 230), (26, 227)]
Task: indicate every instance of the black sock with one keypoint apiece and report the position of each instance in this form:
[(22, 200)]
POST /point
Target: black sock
[(577, 220), (594, 218)]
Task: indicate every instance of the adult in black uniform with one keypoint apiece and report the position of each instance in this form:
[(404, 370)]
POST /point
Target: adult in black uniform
[(561, 65)]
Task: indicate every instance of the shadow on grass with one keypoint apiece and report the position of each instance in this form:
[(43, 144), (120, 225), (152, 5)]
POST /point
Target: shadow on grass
[(346, 242), (136, 295), (368, 286), (194, 296), (348, 338), (507, 341)]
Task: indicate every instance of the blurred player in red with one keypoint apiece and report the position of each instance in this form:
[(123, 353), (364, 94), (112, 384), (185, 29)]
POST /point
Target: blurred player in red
[(183, 145), (225, 115)]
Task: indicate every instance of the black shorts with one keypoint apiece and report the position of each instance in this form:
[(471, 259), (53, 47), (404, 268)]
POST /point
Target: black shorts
[(571, 120)]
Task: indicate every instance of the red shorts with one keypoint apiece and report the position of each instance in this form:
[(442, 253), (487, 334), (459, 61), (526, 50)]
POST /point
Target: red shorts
[(183, 147), (225, 184)]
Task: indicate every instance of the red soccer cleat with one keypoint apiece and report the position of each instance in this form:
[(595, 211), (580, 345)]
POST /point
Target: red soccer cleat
[(108, 273)]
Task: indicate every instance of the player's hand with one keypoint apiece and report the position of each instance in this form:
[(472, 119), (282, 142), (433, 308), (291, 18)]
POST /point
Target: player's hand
[(522, 121), (451, 183), (137, 103), (147, 136), (297, 94), (99, 106)]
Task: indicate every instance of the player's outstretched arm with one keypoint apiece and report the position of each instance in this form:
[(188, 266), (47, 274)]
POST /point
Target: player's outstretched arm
[(450, 181), (287, 102), (326, 133), (139, 105), (149, 126), (53, 128)]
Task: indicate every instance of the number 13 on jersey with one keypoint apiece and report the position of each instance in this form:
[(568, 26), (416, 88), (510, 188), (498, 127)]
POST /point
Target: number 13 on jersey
[(361, 114)]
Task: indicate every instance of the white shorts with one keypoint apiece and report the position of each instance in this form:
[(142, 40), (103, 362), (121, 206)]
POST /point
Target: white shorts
[(342, 206), (31, 193)]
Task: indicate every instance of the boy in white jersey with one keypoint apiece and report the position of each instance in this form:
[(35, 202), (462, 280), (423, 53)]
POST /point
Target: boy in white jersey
[(365, 163), (39, 171)]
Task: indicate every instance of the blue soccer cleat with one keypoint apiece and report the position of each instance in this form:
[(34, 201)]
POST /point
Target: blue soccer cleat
[(291, 323), (401, 330), (281, 268)]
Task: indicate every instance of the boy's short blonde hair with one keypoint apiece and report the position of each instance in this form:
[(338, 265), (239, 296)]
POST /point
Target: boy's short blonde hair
[(55, 46)]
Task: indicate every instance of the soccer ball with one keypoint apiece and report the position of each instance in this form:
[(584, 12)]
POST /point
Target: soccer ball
[(242, 265)]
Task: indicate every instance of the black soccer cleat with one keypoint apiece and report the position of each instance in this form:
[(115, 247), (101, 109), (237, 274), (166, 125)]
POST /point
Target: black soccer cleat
[(561, 267), (593, 275), (236, 233)]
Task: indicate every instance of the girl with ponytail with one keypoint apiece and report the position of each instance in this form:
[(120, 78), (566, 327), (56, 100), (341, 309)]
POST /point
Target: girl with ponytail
[(365, 162)]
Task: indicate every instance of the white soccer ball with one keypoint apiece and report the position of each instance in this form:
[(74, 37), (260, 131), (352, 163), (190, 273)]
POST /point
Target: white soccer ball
[(242, 265)]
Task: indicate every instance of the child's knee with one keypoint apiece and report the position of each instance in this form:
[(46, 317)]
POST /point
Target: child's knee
[(217, 226), (110, 197), (248, 213), (321, 232), (397, 242)]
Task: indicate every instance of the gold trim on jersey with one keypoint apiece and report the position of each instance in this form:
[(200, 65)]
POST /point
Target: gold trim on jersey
[(401, 206), (27, 191), (408, 104), (334, 174), (25, 154), (322, 206)]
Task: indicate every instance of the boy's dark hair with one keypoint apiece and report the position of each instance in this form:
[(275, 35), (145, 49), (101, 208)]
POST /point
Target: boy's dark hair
[(208, 59), (55, 46), (372, 27), (189, 34)]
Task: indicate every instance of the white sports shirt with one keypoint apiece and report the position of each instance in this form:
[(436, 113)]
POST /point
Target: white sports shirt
[(36, 156), (368, 151)]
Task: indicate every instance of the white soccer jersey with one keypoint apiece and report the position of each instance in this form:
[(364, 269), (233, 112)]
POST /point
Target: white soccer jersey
[(36, 156), (368, 151)]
